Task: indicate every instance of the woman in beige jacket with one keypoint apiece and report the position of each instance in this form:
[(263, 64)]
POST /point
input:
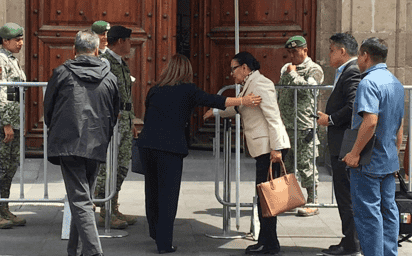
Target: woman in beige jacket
[(265, 134)]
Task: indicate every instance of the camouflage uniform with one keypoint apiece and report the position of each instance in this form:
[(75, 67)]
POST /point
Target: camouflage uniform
[(122, 72), (10, 71), (307, 73)]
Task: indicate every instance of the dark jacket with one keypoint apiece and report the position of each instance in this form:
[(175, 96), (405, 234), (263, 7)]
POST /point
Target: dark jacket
[(81, 106), (168, 109), (340, 105)]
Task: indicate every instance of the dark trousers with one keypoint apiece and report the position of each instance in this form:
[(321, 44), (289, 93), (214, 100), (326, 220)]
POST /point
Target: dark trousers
[(79, 176), (341, 183), (268, 234), (162, 186)]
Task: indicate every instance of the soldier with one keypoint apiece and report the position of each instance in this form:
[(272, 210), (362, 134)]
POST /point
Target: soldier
[(301, 71), (118, 39), (10, 71), (101, 27)]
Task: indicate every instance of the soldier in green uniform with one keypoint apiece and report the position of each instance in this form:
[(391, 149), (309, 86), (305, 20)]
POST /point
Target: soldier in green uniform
[(10, 71), (118, 38), (301, 71), (101, 28)]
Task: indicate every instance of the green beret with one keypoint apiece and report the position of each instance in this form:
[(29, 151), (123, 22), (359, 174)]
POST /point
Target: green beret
[(119, 32), (295, 41), (100, 26), (11, 30)]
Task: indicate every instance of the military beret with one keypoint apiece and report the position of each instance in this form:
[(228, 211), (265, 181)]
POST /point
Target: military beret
[(11, 30), (295, 41), (119, 32), (100, 26)]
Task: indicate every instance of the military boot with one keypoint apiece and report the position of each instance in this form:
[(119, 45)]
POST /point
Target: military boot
[(6, 214), (130, 219), (115, 223), (307, 211), (5, 223)]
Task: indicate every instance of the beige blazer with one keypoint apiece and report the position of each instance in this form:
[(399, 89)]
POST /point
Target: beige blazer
[(262, 126)]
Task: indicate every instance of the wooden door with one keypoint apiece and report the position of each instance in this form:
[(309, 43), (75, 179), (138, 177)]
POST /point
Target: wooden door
[(51, 28), (265, 26)]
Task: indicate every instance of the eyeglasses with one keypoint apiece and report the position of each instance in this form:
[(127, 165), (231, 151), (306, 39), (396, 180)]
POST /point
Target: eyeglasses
[(234, 68)]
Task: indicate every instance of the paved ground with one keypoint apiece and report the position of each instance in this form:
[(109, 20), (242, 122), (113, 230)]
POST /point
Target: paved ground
[(199, 214)]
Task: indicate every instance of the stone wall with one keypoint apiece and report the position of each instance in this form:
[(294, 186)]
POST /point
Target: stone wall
[(14, 11), (390, 20)]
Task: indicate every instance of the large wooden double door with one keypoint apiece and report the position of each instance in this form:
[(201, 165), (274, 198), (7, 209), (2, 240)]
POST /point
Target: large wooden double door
[(160, 28)]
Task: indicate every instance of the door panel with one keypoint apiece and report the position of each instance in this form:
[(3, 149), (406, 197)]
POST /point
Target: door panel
[(51, 29), (265, 26)]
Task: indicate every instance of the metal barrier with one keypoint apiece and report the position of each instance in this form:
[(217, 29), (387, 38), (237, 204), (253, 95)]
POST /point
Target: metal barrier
[(227, 233), (112, 164), (226, 201), (111, 170)]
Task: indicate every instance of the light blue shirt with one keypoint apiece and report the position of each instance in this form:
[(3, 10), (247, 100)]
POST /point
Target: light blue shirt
[(381, 93)]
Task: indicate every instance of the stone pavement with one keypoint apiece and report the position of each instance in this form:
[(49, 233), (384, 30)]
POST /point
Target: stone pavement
[(199, 213)]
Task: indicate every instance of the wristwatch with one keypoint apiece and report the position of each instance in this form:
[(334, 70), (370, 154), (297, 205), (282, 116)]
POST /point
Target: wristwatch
[(330, 122)]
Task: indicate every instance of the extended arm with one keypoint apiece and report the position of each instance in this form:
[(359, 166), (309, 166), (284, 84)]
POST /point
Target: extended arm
[(250, 100)]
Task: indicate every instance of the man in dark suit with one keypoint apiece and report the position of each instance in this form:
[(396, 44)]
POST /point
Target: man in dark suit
[(342, 56)]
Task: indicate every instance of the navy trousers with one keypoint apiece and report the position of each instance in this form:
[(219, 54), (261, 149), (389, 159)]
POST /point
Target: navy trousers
[(162, 187)]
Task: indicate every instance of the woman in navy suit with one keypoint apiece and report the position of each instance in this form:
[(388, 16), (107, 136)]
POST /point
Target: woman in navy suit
[(162, 144)]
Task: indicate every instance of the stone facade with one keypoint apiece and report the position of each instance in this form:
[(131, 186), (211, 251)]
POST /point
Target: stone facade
[(390, 20)]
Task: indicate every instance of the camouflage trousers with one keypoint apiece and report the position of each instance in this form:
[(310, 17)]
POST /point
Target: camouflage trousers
[(304, 151), (9, 160), (123, 159)]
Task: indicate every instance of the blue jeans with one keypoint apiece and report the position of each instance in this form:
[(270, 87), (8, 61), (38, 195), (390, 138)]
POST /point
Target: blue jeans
[(375, 212)]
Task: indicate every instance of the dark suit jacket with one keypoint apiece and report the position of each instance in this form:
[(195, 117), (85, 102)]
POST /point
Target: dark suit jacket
[(168, 109), (340, 105)]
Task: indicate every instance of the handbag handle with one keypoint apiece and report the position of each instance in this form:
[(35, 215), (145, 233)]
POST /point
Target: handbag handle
[(270, 171)]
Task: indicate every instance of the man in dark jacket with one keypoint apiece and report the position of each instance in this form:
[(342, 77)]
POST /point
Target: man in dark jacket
[(342, 55), (81, 105)]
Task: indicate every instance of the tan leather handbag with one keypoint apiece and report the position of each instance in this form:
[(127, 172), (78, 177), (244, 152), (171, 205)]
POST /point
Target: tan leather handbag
[(281, 194)]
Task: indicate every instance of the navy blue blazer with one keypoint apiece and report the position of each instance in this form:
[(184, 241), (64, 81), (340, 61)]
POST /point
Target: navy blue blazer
[(168, 109)]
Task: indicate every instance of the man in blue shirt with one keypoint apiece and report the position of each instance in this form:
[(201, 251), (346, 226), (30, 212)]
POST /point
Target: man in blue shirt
[(379, 109)]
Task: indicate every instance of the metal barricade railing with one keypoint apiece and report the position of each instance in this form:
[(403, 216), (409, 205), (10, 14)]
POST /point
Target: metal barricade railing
[(227, 233), (226, 200), (315, 93), (111, 169)]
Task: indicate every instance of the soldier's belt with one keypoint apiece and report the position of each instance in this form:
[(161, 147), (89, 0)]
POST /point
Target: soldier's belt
[(125, 106)]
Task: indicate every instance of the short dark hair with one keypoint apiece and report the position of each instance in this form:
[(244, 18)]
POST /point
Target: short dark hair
[(377, 49), (248, 59), (346, 41)]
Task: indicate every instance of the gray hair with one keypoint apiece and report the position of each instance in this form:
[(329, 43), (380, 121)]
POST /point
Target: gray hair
[(86, 42)]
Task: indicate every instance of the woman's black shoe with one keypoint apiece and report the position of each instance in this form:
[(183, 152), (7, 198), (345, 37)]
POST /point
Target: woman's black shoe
[(261, 249), (169, 250)]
